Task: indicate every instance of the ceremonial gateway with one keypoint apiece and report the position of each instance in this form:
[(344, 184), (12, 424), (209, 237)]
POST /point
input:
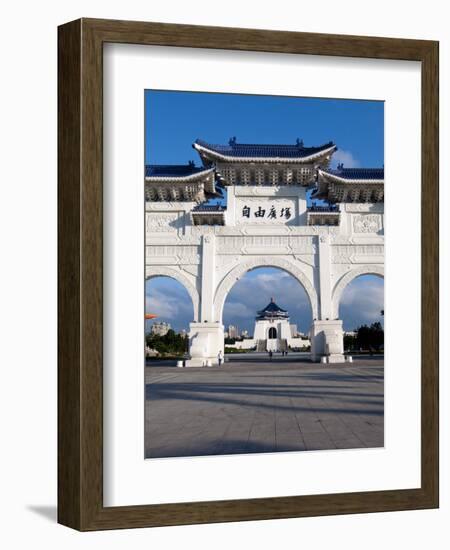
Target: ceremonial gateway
[(193, 236)]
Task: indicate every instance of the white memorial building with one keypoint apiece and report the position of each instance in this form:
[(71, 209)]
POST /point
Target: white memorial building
[(272, 332), (272, 329), (266, 221)]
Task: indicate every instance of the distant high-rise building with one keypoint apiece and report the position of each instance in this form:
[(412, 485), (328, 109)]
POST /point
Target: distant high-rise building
[(160, 329), (293, 330), (233, 331), (244, 334)]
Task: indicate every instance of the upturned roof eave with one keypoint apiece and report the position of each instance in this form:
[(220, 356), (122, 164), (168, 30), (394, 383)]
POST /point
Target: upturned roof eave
[(181, 179), (338, 179), (288, 160)]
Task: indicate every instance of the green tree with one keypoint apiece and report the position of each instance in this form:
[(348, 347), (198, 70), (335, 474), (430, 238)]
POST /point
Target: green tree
[(170, 343), (370, 337), (350, 342)]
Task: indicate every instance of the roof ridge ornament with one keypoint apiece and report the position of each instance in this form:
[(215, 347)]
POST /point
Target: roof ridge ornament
[(299, 142), (232, 141)]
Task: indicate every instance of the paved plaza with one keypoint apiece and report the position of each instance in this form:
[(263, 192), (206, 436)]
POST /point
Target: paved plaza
[(253, 405)]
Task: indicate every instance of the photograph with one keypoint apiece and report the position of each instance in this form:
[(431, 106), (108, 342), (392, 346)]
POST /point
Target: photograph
[(264, 274), (223, 352)]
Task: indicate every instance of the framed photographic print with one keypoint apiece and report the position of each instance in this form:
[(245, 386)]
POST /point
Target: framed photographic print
[(248, 274)]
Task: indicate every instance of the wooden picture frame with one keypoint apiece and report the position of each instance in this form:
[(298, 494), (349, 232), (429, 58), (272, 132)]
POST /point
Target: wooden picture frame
[(80, 272)]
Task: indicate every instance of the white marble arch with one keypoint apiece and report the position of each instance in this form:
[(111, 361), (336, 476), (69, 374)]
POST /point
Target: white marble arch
[(173, 273), (226, 284), (347, 278)]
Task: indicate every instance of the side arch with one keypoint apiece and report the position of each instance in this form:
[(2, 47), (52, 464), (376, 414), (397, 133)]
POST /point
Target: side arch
[(163, 271), (230, 279), (348, 277)]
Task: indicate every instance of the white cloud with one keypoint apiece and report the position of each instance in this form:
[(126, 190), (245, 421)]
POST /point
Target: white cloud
[(169, 301), (344, 157), (237, 309), (362, 302), (271, 277), (161, 306)]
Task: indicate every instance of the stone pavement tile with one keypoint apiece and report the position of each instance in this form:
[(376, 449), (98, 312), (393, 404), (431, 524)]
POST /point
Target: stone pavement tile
[(254, 407), (371, 439), (262, 431), (287, 433), (350, 443), (337, 428), (318, 441), (237, 436)]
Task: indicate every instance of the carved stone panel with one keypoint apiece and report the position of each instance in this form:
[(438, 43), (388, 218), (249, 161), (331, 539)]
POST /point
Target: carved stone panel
[(256, 244), (162, 222), (364, 207), (179, 254), (345, 253), (366, 223)]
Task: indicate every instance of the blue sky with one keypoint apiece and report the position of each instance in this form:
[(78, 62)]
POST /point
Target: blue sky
[(175, 119)]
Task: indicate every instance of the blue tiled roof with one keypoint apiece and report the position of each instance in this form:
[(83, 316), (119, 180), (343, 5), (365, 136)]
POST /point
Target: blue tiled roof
[(172, 170), (209, 208), (324, 208), (358, 173), (234, 149), (272, 308)]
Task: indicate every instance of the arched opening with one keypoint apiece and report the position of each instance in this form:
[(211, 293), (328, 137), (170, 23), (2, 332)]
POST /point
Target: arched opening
[(169, 310), (361, 308), (267, 309)]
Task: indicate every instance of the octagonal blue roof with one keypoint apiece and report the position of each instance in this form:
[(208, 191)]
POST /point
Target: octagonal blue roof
[(272, 310)]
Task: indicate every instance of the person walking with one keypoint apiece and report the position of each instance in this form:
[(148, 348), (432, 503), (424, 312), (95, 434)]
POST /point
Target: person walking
[(270, 355), (219, 357)]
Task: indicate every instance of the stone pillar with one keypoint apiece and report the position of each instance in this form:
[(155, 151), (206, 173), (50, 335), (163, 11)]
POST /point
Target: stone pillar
[(325, 277), (327, 340), (327, 336), (208, 275), (230, 214), (205, 342), (302, 207), (206, 337)]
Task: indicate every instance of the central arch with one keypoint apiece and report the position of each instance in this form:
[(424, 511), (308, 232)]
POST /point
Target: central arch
[(236, 273), (272, 333)]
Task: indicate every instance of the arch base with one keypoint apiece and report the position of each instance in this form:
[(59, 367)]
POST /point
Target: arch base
[(206, 341), (327, 342)]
